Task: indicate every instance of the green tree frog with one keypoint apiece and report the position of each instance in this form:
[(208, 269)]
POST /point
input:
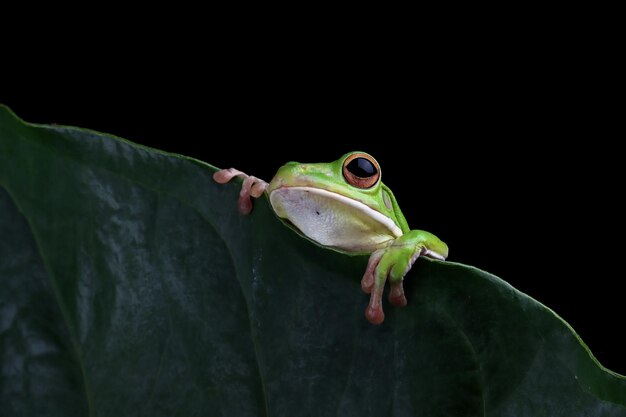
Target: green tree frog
[(344, 205)]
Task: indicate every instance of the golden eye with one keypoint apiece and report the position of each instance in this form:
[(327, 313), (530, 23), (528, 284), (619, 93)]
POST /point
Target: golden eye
[(361, 170)]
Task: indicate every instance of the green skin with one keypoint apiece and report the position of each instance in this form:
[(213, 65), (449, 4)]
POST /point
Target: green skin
[(356, 228)]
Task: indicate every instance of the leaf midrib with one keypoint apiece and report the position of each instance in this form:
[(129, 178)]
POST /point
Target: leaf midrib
[(64, 313)]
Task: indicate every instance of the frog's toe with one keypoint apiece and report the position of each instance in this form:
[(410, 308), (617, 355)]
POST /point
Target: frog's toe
[(396, 294), (373, 282), (367, 282), (375, 315), (251, 187), (224, 175), (244, 204)]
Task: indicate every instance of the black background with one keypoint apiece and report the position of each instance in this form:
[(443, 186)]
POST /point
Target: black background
[(513, 164)]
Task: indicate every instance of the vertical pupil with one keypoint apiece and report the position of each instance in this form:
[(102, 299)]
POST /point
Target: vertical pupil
[(361, 167)]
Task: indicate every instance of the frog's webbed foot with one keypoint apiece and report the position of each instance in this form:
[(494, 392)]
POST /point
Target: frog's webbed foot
[(251, 187), (393, 263)]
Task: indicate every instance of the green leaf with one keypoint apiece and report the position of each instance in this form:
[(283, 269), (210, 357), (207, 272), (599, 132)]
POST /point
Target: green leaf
[(131, 286)]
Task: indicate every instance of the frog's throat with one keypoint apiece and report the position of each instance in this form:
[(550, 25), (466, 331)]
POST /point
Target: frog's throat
[(357, 205)]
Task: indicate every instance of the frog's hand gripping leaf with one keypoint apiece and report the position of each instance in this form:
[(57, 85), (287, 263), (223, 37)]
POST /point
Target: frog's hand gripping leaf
[(393, 262), (251, 187), (344, 205)]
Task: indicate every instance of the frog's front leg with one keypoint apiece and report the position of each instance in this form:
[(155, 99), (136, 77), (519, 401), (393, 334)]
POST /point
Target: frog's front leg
[(251, 187), (393, 262)]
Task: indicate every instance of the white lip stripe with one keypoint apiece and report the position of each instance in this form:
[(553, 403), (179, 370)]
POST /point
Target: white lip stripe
[(434, 255), (370, 212)]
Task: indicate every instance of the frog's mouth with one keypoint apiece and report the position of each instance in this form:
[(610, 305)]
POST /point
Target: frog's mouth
[(335, 220)]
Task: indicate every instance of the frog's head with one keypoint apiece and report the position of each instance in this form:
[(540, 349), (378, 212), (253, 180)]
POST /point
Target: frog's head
[(342, 204)]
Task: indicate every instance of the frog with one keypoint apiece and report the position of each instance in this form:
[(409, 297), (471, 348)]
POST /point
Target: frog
[(343, 205)]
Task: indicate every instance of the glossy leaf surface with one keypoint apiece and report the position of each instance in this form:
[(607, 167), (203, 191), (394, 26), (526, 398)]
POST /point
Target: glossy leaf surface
[(131, 286)]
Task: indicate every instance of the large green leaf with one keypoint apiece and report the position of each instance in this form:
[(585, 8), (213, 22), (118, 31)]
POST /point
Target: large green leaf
[(131, 286)]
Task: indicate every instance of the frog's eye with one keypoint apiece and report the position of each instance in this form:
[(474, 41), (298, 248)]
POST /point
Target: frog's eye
[(361, 170)]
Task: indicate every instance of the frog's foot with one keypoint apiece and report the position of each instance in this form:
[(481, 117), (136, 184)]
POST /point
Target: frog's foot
[(389, 263), (251, 187), (393, 263)]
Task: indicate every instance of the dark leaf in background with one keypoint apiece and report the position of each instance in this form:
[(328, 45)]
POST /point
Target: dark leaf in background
[(130, 285)]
